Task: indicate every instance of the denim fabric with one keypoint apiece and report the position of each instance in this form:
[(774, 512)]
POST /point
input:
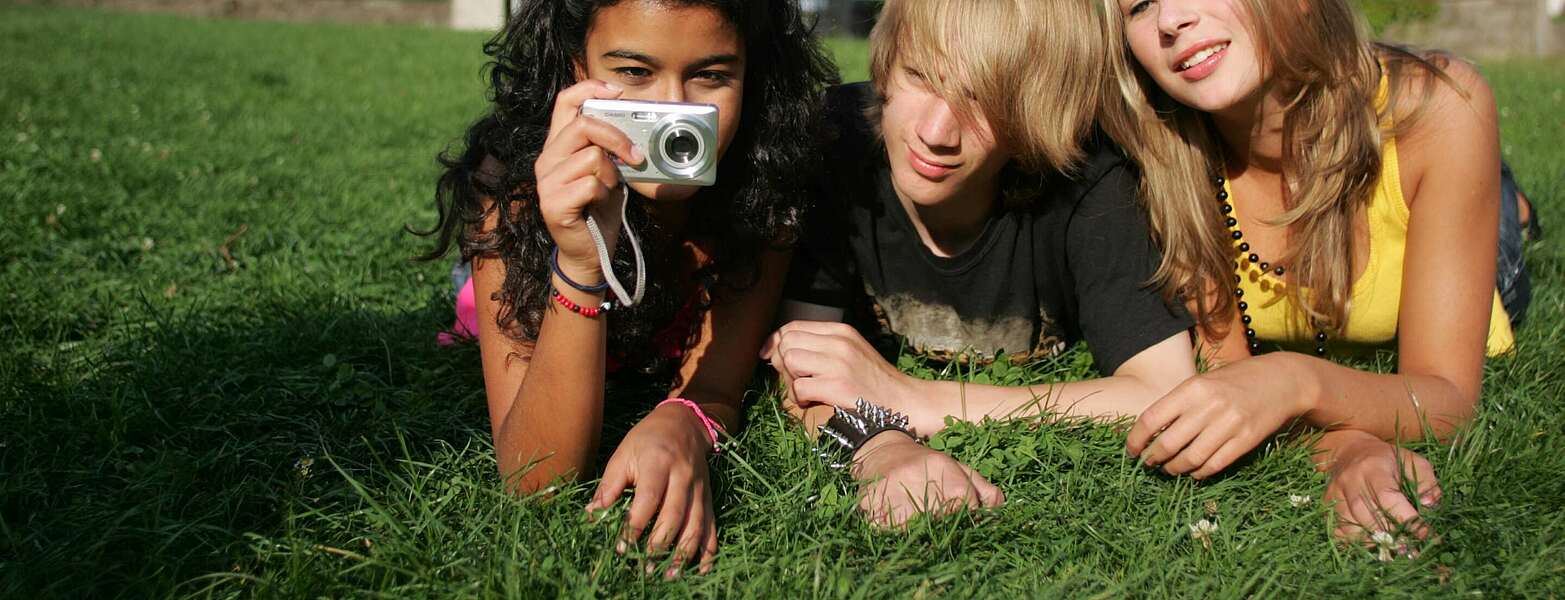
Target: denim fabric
[(461, 271), (1511, 275)]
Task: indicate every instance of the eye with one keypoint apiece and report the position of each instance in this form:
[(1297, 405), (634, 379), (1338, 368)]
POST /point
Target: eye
[(715, 78), (633, 74), (1138, 7)]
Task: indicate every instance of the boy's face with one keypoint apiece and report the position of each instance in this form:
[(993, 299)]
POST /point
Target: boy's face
[(934, 156)]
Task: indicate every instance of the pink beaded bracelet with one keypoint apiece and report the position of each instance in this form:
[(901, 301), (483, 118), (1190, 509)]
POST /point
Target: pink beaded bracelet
[(711, 426)]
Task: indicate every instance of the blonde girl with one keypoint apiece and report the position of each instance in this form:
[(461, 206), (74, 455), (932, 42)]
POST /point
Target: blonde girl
[(1320, 192)]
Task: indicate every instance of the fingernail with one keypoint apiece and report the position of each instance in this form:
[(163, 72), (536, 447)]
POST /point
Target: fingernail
[(651, 568), (672, 573), (636, 155), (621, 547), (612, 87)]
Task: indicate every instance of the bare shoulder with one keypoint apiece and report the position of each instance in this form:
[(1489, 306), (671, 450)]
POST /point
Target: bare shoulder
[(1454, 101), (1450, 123)]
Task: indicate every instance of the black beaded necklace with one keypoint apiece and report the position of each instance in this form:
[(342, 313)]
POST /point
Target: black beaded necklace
[(1246, 257)]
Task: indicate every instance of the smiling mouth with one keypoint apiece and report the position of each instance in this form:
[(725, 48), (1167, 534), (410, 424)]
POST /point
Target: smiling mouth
[(928, 168), (1201, 56)]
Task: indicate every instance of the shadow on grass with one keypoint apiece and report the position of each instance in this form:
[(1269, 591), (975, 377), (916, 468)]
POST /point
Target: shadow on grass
[(144, 465)]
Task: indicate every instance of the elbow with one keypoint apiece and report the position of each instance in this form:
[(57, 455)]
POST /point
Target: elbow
[(1446, 430), (1445, 425)]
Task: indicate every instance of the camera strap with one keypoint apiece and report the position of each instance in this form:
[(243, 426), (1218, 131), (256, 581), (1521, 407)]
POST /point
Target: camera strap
[(607, 262)]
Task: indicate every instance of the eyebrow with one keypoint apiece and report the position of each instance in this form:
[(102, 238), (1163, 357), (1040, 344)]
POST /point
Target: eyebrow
[(703, 62)]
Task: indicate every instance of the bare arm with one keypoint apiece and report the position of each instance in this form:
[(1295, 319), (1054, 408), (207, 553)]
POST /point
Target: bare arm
[(717, 370), (1451, 175), (831, 364), (1134, 386), (1452, 181), (545, 397)]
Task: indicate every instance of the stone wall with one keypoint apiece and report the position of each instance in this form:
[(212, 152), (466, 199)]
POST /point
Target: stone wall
[(341, 11), (1489, 29)]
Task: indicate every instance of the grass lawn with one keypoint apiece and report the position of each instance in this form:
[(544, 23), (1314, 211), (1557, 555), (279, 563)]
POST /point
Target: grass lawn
[(218, 375)]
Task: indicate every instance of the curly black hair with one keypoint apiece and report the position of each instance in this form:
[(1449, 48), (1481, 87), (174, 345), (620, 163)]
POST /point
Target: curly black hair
[(757, 203)]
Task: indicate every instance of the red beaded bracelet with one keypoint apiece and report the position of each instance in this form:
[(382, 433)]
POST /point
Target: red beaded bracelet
[(585, 311)]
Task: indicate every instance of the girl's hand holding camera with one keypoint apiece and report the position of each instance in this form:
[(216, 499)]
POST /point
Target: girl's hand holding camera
[(575, 174)]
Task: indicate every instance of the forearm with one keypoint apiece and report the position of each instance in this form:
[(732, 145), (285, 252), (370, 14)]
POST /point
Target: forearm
[(1103, 398), (1390, 406), (555, 421)]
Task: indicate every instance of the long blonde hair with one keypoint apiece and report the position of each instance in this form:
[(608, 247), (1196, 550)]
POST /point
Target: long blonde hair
[(1024, 65), (1328, 73)]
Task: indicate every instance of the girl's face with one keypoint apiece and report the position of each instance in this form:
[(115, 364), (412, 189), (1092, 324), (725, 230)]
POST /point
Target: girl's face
[(1199, 51), (934, 156), (668, 53)]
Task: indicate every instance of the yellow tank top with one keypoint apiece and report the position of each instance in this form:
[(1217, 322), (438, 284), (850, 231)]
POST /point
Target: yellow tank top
[(1376, 296)]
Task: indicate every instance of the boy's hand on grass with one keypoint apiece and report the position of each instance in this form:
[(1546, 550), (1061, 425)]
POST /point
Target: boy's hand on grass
[(1212, 419), (832, 364), (575, 175), (1367, 482), (664, 459), (902, 479)]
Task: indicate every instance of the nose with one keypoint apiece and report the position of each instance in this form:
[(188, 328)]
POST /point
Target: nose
[(1174, 17), (938, 126), (671, 89)]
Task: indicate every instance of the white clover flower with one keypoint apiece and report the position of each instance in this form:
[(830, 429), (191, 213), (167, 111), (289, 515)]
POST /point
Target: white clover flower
[(1203, 530), (59, 209), (302, 467), (1299, 501), (147, 244), (1385, 543), (96, 155)]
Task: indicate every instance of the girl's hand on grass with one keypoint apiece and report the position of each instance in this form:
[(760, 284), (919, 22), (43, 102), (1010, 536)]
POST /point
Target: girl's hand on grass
[(575, 174), (1212, 419), (1367, 479), (832, 364), (664, 459), (902, 479)]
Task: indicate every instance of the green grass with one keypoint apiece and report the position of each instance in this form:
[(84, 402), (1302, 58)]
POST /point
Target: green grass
[(206, 283)]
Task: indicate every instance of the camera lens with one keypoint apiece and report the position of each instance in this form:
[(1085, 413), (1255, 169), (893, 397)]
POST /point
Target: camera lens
[(681, 147)]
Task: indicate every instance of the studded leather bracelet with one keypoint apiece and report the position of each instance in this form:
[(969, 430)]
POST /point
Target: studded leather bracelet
[(849, 430)]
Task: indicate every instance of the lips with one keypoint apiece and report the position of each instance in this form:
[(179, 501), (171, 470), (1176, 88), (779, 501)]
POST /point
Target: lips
[(928, 168), (1200, 60)]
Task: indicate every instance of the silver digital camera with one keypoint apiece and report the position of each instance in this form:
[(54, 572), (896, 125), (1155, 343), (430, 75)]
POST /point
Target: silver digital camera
[(678, 139)]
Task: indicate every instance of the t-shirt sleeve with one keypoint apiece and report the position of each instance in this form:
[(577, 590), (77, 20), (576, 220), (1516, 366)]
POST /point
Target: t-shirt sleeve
[(1112, 259)]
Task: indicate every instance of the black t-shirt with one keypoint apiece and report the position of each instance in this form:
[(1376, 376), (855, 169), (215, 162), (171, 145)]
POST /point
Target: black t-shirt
[(1072, 264)]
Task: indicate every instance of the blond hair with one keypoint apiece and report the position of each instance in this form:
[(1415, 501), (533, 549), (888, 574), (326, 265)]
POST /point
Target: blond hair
[(1021, 64), (1328, 73)]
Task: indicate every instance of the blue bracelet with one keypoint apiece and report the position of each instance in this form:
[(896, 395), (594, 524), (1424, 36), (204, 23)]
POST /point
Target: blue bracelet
[(554, 262)]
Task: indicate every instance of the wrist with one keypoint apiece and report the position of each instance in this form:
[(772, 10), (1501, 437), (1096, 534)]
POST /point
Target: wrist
[(586, 273), (1303, 377), (1340, 447), (864, 463), (692, 429), (926, 405)]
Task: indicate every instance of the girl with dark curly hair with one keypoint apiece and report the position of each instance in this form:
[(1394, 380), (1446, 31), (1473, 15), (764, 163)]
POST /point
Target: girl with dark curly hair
[(516, 203)]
